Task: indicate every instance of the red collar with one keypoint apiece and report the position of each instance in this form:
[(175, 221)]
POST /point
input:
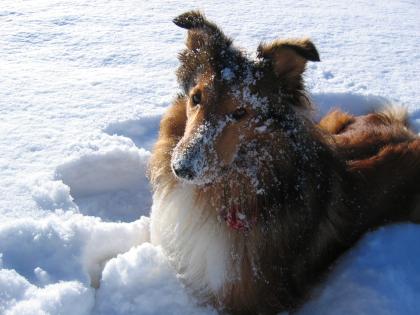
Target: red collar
[(237, 220)]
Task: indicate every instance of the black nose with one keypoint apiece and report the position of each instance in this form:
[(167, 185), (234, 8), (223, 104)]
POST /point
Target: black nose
[(183, 171)]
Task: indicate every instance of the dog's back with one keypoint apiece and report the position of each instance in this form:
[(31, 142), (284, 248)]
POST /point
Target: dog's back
[(381, 147)]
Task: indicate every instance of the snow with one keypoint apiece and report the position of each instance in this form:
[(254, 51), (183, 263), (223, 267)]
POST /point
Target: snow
[(379, 277), (109, 182), (82, 91), (19, 297), (142, 281)]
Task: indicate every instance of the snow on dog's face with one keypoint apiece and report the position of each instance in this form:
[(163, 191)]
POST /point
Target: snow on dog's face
[(229, 99), (217, 122)]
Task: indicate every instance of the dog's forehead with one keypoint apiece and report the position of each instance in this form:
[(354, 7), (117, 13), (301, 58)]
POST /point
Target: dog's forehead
[(213, 79), (240, 74), (235, 82), (229, 67)]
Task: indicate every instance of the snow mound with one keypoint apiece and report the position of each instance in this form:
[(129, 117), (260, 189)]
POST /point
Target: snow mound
[(66, 246), (142, 281), (379, 276), (356, 104), (105, 171), (53, 266), (108, 241), (53, 244), (53, 195), (19, 297), (109, 182), (142, 131)]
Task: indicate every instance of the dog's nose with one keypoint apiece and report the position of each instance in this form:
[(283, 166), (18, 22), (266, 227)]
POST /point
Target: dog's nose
[(183, 171)]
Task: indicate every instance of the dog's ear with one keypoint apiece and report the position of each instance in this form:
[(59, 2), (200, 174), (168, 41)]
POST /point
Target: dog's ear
[(208, 49), (201, 32), (288, 57)]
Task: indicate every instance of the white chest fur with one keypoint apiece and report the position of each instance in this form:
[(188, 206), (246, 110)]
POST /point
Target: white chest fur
[(202, 249)]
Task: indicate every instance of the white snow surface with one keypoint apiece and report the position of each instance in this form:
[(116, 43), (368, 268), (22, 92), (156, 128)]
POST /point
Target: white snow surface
[(82, 89)]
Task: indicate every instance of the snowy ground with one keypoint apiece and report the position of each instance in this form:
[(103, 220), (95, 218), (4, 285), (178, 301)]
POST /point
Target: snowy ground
[(82, 88)]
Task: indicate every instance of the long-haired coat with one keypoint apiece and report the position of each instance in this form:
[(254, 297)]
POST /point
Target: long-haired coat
[(253, 201)]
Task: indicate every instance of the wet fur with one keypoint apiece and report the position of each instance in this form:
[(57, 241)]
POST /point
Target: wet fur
[(325, 185)]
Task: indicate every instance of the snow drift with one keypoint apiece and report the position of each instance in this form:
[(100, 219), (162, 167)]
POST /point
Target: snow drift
[(82, 90)]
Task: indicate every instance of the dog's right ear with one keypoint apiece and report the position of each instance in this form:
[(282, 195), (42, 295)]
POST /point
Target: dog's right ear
[(207, 48), (201, 32)]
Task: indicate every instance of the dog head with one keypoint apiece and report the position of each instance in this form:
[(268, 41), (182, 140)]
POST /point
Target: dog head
[(231, 100)]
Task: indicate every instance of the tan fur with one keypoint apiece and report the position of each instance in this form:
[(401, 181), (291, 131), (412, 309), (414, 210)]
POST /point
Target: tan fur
[(172, 128), (335, 121)]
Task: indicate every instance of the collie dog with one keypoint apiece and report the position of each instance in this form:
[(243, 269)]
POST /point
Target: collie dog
[(254, 201)]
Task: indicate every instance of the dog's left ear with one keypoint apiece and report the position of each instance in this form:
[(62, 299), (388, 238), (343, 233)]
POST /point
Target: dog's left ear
[(288, 57)]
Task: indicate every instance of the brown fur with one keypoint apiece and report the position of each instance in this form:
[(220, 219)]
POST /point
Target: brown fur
[(289, 59), (363, 136), (318, 188), (335, 121)]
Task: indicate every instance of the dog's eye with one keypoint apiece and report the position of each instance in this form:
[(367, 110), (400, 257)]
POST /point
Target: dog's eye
[(196, 98), (239, 113)]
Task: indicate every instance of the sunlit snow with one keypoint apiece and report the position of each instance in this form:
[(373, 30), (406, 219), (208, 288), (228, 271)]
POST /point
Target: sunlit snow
[(82, 89)]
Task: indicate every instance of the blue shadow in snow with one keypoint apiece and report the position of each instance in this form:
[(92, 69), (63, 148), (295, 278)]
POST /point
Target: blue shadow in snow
[(356, 104), (143, 130)]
